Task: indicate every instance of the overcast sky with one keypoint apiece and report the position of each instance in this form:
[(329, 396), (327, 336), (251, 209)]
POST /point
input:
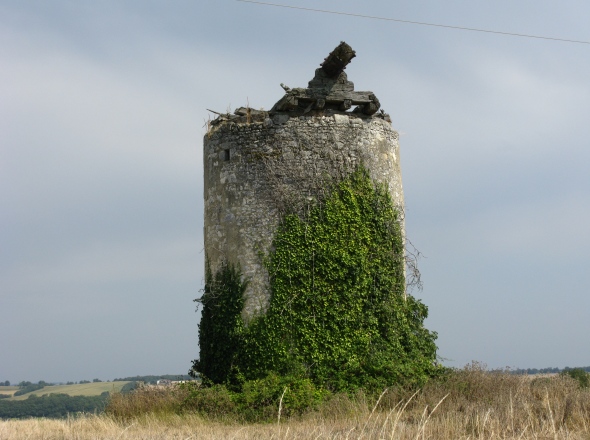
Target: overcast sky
[(102, 113)]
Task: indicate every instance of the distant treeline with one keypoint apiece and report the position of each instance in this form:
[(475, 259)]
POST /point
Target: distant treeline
[(52, 406), (28, 387), (549, 370), (154, 379)]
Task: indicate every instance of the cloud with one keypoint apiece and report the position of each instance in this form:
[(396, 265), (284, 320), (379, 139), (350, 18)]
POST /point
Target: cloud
[(110, 263), (551, 229), (102, 108)]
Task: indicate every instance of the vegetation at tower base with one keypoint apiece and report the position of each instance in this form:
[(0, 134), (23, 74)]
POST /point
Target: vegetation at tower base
[(338, 314), (221, 329)]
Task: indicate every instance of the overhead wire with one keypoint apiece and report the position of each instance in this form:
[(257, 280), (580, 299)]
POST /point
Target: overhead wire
[(421, 23)]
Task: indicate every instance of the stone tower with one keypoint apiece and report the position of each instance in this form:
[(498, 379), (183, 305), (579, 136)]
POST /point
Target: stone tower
[(260, 164)]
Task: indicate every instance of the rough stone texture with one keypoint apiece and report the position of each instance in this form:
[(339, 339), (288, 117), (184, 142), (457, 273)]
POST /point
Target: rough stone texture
[(258, 167)]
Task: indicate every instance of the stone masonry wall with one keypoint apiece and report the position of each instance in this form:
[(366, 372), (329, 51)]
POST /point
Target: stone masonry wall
[(256, 171)]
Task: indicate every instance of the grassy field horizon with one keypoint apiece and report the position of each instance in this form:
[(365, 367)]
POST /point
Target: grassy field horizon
[(468, 405), (82, 389), (471, 403), (8, 390)]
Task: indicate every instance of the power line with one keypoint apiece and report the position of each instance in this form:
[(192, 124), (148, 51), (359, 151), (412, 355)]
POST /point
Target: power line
[(372, 17)]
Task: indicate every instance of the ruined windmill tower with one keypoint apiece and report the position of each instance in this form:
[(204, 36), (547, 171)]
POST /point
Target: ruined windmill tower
[(259, 164)]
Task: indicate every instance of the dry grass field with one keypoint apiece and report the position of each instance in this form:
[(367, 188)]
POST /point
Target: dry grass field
[(472, 404), (8, 390), (83, 389)]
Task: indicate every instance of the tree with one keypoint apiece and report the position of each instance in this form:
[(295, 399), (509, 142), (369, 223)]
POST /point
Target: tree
[(221, 327)]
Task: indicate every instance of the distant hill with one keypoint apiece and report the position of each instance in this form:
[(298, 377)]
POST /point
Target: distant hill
[(85, 389), (57, 400)]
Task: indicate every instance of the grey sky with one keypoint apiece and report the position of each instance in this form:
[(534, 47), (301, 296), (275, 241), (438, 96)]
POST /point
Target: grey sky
[(102, 107)]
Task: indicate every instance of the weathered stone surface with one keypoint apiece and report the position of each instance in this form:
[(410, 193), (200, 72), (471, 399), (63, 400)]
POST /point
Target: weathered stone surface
[(254, 171)]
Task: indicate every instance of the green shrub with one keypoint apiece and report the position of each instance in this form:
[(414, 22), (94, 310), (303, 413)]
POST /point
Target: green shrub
[(213, 401), (261, 398), (578, 374), (221, 327), (257, 401), (338, 314)]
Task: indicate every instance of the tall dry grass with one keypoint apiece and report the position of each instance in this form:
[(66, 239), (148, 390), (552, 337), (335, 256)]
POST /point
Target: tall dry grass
[(469, 404)]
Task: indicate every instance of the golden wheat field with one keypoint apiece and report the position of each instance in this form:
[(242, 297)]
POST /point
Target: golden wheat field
[(471, 405)]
